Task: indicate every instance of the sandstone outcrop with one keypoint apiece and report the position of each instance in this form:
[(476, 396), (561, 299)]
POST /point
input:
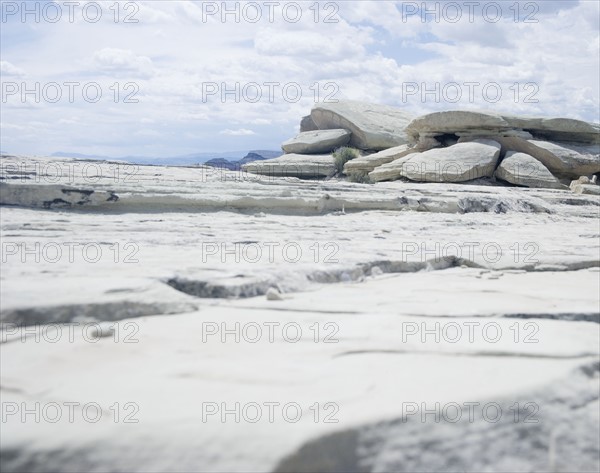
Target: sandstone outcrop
[(373, 127), (316, 142), (524, 170)]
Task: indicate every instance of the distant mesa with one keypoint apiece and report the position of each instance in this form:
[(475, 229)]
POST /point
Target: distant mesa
[(236, 165), (194, 159)]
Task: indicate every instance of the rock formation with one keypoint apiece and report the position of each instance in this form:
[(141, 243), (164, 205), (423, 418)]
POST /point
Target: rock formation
[(435, 147)]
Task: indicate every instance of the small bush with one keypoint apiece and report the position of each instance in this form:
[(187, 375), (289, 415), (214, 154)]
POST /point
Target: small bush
[(342, 155), (360, 178)]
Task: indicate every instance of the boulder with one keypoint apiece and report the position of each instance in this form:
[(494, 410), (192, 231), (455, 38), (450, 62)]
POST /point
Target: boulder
[(307, 124), (458, 163), (373, 127), (366, 164), (305, 166), (316, 142), (584, 185), (524, 170), (562, 159)]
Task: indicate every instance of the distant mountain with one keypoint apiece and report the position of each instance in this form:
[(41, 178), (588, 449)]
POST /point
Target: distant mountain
[(266, 153), (222, 163), (183, 160), (237, 165)]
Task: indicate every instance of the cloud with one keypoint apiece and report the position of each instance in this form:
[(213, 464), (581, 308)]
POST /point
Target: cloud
[(369, 54), (261, 121), (311, 44), (238, 132), (113, 60), (10, 70)]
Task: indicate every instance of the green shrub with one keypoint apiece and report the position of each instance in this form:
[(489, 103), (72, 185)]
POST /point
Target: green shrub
[(342, 155), (360, 178)]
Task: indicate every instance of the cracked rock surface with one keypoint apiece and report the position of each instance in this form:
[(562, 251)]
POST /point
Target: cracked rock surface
[(230, 322)]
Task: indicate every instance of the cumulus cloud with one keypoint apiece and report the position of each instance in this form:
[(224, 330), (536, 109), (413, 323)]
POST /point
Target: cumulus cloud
[(114, 60), (238, 132), (370, 53), (10, 70), (309, 44)]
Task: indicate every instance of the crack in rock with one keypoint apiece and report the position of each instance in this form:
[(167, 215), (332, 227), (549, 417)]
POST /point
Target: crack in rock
[(104, 312)]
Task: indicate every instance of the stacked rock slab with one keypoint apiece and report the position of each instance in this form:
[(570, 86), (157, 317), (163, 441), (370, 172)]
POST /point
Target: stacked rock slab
[(366, 164), (557, 129), (564, 160), (460, 123), (568, 148), (391, 171), (373, 127), (396, 146), (365, 126), (304, 166), (585, 185), (486, 124), (459, 163), (524, 170), (315, 142)]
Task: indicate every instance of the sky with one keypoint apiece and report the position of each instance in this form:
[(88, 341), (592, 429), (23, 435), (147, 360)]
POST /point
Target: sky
[(168, 78)]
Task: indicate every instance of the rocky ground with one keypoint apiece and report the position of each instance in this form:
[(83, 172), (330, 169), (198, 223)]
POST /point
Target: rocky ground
[(197, 319)]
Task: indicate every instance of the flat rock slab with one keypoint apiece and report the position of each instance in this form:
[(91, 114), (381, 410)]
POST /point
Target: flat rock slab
[(366, 164), (33, 182), (304, 166), (315, 142), (574, 160), (558, 129), (453, 121), (524, 170), (457, 163), (462, 122), (562, 159), (389, 171), (373, 127)]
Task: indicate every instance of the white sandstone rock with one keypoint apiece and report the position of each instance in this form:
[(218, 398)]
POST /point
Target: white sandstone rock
[(316, 142), (389, 171), (458, 163), (373, 127), (585, 185), (453, 121), (483, 123), (305, 166), (524, 170), (351, 337), (561, 159), (366, 164)]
